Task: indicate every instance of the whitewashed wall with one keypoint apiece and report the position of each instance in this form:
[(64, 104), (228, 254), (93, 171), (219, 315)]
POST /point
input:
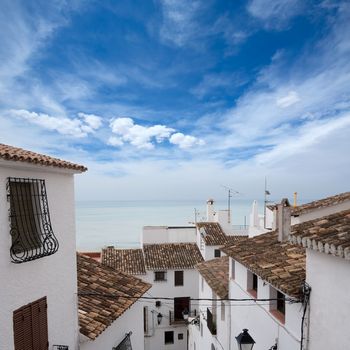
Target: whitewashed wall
[(131, 320), (329, 278), (168, 234), (257, 318), (202, 339), (155, 340), (54, 276)]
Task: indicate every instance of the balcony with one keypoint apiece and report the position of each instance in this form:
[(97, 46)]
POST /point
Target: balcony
[(211, 322), (177, 318)]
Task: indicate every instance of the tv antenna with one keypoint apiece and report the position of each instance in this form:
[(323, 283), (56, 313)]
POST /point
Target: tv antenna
[(230, 192)]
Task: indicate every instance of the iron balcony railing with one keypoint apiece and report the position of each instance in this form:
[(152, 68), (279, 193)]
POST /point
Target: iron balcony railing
[(177, 318), (211, 322)]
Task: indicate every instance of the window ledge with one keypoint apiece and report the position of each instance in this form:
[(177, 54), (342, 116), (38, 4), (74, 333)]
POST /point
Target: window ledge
[(278, 315)]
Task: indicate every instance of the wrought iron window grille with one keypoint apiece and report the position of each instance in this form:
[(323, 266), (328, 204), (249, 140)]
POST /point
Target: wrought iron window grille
[(30, 224)]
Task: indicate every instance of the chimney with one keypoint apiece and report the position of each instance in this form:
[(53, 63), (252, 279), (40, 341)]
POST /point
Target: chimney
[(210, 210), (283, 220)]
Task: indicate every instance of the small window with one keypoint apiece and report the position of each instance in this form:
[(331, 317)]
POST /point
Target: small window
[(30, 326), (169, 337), (180, 336), (233, 269), (30, 225), (201, 327), (281, 303), (202, 283), (252, 284), (159, 276), (278, 305), (222, 311), (217, 253), (145, 319), (179, 278), (194, 346)]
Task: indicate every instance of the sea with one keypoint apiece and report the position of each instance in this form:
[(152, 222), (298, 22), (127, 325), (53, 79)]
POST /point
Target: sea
[(119, 223)]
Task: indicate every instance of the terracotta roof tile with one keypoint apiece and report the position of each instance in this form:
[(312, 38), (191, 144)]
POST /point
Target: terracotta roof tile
[(280, 264), (329, 234), (97, 312), (127, 260), (215, 272), (321, 203), (21, 155), (171, 256), (212, 233)]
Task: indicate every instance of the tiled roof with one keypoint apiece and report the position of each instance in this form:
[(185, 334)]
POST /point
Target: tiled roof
[(280, 264), (329, 234), (21, 155), (171, 256), (232, 239), (321, 203), (212, 233), (215, 272), (97, 312), (127, 260)]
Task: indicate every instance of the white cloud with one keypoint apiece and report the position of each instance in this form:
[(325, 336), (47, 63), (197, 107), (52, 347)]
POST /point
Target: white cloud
[(78, 127), (138, 135), (143, 137), (274, 14), (185, 141), (288, 100), (179, 20)]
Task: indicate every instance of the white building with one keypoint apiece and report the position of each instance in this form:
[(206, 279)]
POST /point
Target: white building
[(38, 296), (327, 243), (170, 268), (110, 311), (210, 329), (268, 272)]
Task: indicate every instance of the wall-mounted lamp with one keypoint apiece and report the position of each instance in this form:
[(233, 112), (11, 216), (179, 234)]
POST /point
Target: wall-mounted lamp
[(245, 341), (159, 318)]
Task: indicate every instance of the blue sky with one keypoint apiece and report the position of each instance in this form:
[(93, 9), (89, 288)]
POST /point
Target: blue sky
[(171, 99)]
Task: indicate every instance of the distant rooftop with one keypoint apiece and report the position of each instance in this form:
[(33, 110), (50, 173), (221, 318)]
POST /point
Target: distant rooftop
[(98, 285), (20, 155), (171, 256), (127, 260)]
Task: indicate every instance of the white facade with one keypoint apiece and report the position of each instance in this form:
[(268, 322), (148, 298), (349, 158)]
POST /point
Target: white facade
[(263, 325), (155, 336), (53, 276), (130, 321), (329, 278), (168, 234), (200, 336)]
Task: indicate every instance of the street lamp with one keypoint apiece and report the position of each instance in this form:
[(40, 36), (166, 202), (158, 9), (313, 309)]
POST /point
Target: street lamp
[(159, 318), (245, 341)]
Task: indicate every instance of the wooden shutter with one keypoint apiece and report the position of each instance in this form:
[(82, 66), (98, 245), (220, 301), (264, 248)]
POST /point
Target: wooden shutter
[(30, 326), (179, 278)]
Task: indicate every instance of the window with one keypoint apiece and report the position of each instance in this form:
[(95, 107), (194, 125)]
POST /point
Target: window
[(180, 305), (212, 347), (169, 337), (201, 326), (217, 253), (281, 303), (252, 284), (179, 278), (233, 269), (30, 224), (277, 307), (159, 276), (202, 283), (145, 319), (194, 346), (180, 336), (30, 326), (222, 311)]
